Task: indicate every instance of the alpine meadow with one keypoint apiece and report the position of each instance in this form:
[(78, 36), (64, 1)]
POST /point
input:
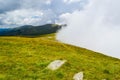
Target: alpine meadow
[(25, 58)]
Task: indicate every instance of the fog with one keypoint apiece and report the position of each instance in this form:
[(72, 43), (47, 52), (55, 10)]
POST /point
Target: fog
[(96, 27)]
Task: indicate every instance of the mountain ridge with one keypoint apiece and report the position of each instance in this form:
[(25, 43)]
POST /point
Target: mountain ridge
[(29, 30)]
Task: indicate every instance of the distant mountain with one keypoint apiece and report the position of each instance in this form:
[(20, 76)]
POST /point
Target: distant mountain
[(4, 30), (29, 30)]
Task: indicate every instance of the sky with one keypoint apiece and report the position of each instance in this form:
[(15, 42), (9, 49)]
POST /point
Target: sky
[(14, 13)]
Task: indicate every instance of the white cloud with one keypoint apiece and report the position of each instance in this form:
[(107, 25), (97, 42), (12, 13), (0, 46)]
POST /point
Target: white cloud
[(21, 12), (48, 1), (22, 17), (96, 27), (71, 1), (63, 18)]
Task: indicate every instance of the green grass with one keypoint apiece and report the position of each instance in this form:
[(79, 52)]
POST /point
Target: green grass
[(23, 58)]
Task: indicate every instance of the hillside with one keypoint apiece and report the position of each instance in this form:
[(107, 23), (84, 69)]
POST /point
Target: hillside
[(29, 30), (24, 58)]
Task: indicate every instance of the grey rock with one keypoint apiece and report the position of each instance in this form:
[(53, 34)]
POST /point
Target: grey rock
[(56, 64), (78, 76)]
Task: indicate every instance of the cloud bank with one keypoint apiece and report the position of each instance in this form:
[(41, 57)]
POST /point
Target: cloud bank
[(15, 13), (97, 27)]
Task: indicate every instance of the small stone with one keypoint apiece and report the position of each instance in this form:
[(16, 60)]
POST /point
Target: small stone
[(49, 37), (78, 76), (56, 64)]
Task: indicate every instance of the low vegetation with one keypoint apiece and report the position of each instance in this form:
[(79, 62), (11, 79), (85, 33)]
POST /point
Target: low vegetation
[(29, 30), (24, 58)]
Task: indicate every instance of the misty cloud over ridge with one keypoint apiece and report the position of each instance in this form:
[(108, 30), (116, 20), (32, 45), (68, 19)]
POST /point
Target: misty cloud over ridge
[(97, 27), (35, 12)]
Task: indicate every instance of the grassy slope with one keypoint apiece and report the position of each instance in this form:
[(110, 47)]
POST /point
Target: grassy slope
[(26, 59)]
